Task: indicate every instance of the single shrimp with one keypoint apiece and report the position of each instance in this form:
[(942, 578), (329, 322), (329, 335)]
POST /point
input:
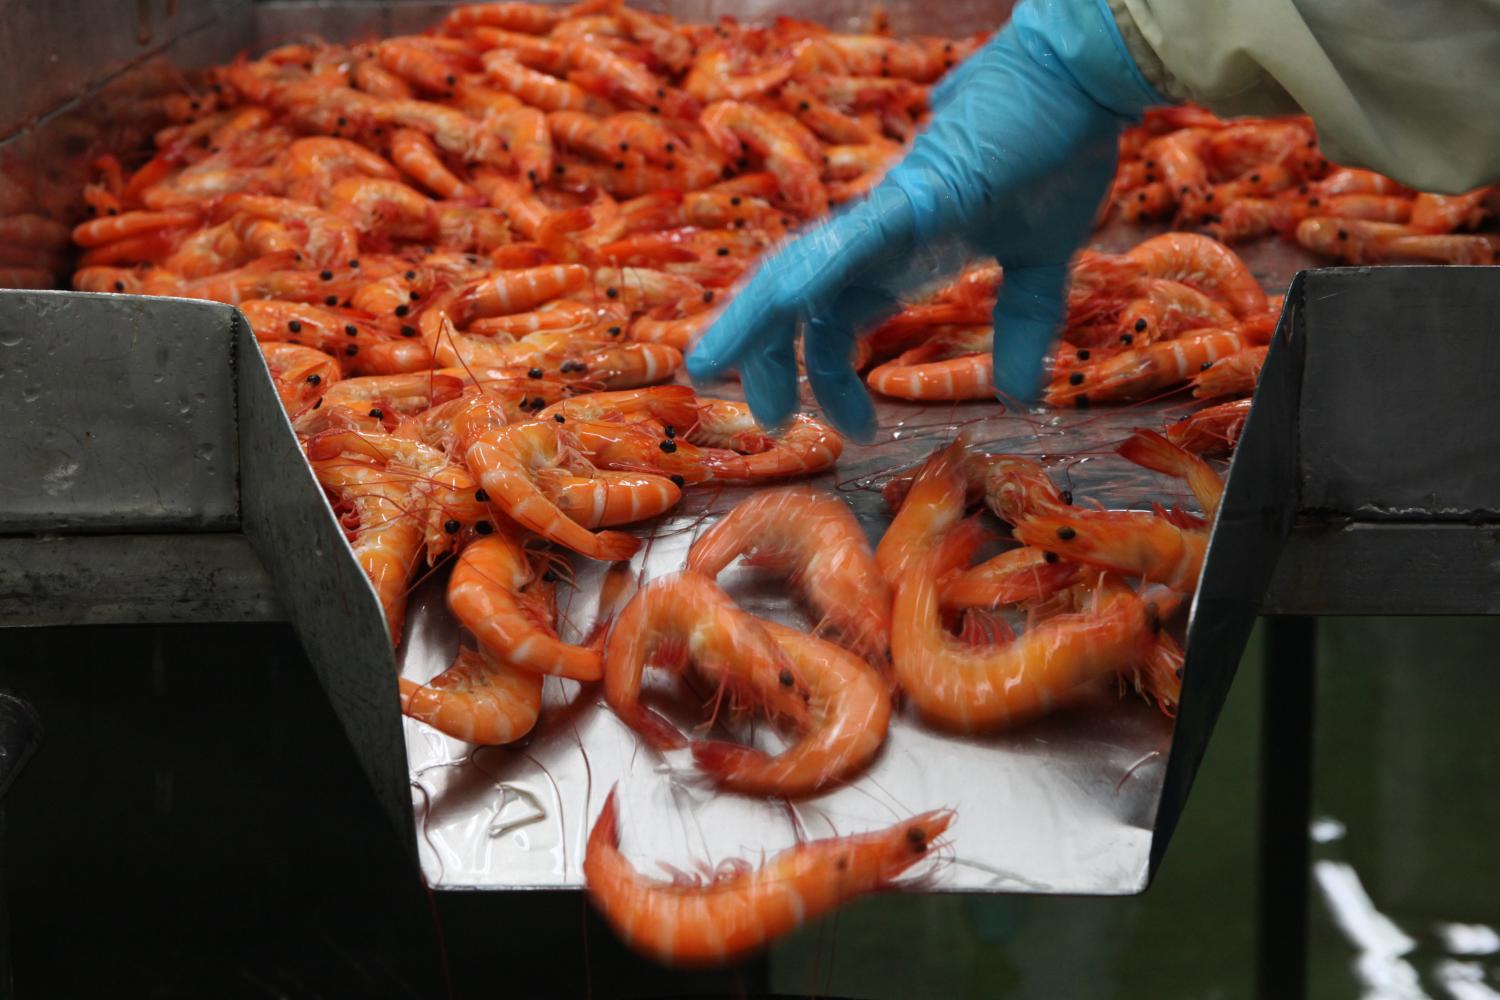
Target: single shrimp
[(674, 406), (1211, 431), (478, 699), (488, 594), (804, 448), (1139, 373), (511, 15), (716, 77), (520, 290), (932, 505), (1437, 213), (417, 157), (967, 688), (740, 910), (686, 619), (540, 90), (851, 711), (385, 536), (1203, 263), (302, 374), (1150, 450), (1168, 308), (815, 539), (1235, 375), (1147, 544), (509, 460), (1357, 242), (1014, 577), (405, 393), (608, 499), (923, 374), (36, 231)]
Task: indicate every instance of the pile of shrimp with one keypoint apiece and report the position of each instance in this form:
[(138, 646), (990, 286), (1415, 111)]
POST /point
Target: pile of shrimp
[(1179, 310), (472, 259), (1242, 178)]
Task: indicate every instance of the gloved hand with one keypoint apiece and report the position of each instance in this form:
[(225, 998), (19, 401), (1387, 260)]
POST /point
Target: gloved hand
[(1019, 153)]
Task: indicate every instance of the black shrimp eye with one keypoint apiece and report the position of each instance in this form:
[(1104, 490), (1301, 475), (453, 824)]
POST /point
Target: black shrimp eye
[(1205, 366), (1050, 557), (1067, 497), (378, 413), (351, 329), (1083, 354), (917, 838), (1076, 378), (480, 496), (559, 418), (668, 446), (402, 309), (549, 576), (1140, 326), (678, 481), (786, 678), (451, 526), (326, 275), (534, 373), (669, 431), (314, 379), (294, 326), (1066, 533), (483, 527), (1127, 339)]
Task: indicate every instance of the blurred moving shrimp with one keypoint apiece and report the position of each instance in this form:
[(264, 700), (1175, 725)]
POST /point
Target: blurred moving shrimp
[(740, 910), (815, 539), (850, 708)]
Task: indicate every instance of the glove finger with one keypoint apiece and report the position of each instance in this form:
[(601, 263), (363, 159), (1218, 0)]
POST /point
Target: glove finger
[(768, 373), (742, 324), (1027, 316), (827, 349)]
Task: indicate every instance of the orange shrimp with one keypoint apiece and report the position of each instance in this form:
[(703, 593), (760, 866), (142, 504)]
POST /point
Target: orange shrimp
[(739, 911), (851, 711), (415, 154), (507, 462), (1135, 543), (1150, 450), (386, 538), (520, 290), (815, 539), (734, 125), (922, 375), (1235, 375), (511, 15), (561, 314), (1168, 308), (1204, 264), (90, 279), (671, 405), (302, 374), (608, 499), (35, 231), (928, 510), (1436, 213), (967, 688), (1359, 242), (716, 77), (539, 90), (1139, 373), (478, 699), (674, 331), (1012, 577), (804, 448), (1211, 431), (686, 619), (1016, 488), (488, 594)]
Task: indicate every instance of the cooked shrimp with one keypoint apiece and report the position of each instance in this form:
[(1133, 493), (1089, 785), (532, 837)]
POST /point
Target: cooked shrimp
[(963, 687), (1204, 264), (1168, 308), (478, 699), (686, 619), (1211, 431), (1235, 375), (417, 157), (1139, 373), (923, 374), (804, 448), (521, 290), (302, 374), (1152, 451), (1013, 577), (1132, 542), (850, 708), (507, 462), (607, 499), (488, 594), (1359, 242), (740, 910), (733, 124), (932, 506), (815, 539)]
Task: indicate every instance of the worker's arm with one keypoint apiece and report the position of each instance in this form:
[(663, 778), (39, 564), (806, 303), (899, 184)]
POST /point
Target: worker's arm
[(1405, 88), (1019, 154)]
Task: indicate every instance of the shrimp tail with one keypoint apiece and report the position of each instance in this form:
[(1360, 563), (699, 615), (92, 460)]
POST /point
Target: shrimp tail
[(615, 546), (723, 760)]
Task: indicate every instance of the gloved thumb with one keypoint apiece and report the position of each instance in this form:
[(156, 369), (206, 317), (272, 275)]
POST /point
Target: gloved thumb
[(1027, 316)]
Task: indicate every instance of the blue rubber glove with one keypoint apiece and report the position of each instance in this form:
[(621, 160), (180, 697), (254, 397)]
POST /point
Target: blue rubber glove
[(1017, 158)]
